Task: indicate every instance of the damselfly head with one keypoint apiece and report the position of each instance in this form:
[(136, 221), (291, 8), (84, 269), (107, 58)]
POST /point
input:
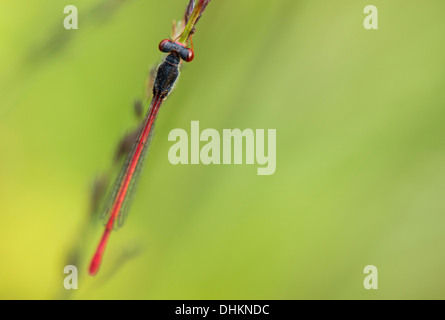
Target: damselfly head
[(185, 53)]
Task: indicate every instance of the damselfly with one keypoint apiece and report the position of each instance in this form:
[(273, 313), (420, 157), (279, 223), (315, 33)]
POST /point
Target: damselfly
[(120, 199)]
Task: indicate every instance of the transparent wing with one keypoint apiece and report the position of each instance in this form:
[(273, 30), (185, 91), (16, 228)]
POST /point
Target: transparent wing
[(131, 189), (126, 205), (119, 200)]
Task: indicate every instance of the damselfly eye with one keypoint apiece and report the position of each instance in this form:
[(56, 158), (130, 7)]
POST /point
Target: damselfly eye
[(190, 55), (163, 47)]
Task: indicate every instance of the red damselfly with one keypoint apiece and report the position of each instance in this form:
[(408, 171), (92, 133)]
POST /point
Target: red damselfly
[(119, 201)]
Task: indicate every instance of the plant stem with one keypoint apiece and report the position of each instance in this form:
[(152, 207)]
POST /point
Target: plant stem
[(191, 23)]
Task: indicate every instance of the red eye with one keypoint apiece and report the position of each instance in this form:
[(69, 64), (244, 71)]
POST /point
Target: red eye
[(190, 55), (162, 44)]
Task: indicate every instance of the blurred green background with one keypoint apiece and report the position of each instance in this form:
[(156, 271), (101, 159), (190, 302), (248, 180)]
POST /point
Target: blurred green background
[(360, 173)]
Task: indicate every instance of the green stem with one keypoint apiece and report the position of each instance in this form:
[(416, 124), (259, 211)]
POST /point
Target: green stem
[(190, 24)]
